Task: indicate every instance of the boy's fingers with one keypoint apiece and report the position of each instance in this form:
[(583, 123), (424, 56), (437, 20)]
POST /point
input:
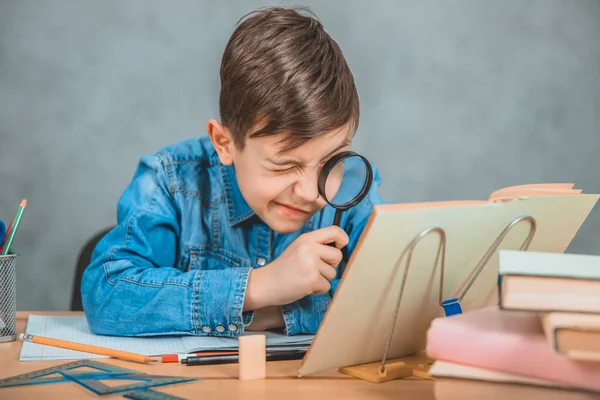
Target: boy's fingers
[(331, 255), (322, 287), (327, 271), (331, 234)]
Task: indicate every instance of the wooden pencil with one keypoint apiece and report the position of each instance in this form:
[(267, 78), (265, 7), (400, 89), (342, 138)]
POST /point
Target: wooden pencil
[(123, 355)]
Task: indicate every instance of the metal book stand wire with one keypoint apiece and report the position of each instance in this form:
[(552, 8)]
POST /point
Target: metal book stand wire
[(450, 306)]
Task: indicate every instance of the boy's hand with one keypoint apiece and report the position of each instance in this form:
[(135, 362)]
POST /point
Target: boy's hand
[(306, 267)]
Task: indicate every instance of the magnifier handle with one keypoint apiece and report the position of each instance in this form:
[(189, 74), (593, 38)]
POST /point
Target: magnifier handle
[(336, 221), (338, 217)]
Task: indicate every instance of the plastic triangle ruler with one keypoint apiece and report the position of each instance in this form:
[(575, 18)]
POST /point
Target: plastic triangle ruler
[(151, 395), (92, 380)]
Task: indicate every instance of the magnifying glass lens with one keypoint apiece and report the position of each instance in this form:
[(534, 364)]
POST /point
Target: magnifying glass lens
[(346, 181)]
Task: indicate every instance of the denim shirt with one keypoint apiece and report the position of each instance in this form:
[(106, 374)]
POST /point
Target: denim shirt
[(178, 260)]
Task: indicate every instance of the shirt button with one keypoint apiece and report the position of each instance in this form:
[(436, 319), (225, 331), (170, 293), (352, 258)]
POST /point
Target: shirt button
[(261, 261), (220, 329), (206, 329), (232, 327)]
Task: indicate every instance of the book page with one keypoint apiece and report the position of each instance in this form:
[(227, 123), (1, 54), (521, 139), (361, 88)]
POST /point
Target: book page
[(75, 329), (540, 189)]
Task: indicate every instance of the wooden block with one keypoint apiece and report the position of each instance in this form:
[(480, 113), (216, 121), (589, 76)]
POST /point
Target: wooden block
[(394, 369), (416, 365), (252, 357)]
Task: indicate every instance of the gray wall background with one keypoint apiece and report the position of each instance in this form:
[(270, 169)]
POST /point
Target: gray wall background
[(459, 98)]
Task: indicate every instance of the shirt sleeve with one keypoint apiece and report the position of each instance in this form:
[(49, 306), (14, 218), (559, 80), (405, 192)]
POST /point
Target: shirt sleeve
[(133, 287), (305, 315)]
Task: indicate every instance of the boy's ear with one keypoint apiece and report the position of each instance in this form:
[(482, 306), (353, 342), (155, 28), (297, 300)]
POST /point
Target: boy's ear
[(221, 140)]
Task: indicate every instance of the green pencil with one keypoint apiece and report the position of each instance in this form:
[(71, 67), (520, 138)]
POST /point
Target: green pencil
[(14, 226)]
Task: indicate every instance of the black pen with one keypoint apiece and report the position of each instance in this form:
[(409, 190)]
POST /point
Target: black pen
[(233, 358)]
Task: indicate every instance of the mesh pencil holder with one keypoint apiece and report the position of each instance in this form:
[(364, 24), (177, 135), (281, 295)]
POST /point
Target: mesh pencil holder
[(8, 298)]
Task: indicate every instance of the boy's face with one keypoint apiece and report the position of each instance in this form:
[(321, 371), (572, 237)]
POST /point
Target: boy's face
[(280, 186)]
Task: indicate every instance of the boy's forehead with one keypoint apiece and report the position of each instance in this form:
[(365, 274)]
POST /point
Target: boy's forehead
[(313, 147)]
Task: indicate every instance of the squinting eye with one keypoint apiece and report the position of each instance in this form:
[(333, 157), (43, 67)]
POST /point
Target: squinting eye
[(280, 171)]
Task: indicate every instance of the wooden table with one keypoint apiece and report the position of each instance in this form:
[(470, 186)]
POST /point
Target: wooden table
[(218, 382)]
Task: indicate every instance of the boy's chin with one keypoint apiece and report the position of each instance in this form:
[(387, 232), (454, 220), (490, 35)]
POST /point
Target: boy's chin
[(284, 225)]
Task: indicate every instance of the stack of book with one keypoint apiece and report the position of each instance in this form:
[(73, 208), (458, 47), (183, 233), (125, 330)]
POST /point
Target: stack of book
[(541, 341)]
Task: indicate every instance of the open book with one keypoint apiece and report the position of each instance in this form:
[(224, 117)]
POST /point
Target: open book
[(413, 258), (75, 329)]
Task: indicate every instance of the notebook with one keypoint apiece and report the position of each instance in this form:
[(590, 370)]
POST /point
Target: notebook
[(512, 342), (75, 329), (544, 281)]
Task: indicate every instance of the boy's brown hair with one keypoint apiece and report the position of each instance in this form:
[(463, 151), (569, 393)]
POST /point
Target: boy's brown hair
[(280, 69)]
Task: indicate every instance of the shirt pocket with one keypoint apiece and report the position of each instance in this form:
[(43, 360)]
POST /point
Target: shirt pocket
[(207, 258)]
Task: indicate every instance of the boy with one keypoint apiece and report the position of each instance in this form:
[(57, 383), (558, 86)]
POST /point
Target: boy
[(227, 232)]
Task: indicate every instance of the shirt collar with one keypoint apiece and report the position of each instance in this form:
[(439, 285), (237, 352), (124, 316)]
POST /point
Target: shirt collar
[(237, 208)]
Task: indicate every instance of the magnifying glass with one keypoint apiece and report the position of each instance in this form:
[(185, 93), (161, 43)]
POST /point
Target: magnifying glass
[(344, 181)]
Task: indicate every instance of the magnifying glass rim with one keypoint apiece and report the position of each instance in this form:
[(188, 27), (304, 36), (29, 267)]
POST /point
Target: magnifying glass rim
[(330, 164)]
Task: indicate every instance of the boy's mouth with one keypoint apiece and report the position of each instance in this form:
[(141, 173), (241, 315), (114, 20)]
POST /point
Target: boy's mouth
[(291, 210)]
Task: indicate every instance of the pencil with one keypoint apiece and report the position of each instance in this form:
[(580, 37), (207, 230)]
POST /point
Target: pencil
[(14, 225), (123, 355), (171, 358)]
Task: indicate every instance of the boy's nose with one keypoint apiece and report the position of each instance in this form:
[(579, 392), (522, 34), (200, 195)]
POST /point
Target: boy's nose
[(307, 189)]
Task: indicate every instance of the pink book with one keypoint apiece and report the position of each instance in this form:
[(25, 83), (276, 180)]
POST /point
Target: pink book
[(507, 341)]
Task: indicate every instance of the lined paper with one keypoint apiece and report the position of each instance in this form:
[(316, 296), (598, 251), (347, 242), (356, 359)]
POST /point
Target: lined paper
[(74, 328)]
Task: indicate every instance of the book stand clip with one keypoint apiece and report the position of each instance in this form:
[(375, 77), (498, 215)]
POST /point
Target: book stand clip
[(418, 364)]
